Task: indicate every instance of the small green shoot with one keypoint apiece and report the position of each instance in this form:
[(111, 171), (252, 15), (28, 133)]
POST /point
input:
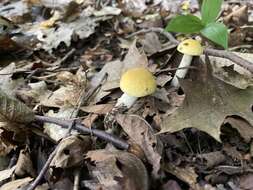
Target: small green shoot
[(207, 26)]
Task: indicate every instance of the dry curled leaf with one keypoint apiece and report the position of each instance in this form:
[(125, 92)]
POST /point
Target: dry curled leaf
[(141, 133), (13, 111), (70, 151), (115, 170)]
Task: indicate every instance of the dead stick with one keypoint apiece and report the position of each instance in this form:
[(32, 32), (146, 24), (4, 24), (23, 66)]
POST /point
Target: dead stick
[(213, 52), (116, 141), (36, 182)]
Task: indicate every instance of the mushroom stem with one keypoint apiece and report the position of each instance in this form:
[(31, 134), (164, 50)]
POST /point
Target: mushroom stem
[(126, 100), (180, 73)]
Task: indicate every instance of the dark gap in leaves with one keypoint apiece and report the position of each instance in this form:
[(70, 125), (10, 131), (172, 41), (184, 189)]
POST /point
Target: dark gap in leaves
[(119, 164), (66, 151), (180, 91)]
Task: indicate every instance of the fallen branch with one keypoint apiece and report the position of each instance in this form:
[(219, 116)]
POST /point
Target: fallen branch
[(116, 141), (213, 52)]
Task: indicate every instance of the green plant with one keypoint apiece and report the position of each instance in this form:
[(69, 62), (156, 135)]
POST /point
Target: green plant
[(207, 26)]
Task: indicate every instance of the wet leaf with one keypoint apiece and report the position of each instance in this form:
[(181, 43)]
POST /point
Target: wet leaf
[(207, 103)]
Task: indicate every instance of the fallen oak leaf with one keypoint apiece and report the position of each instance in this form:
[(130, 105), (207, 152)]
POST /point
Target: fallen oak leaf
[(208, 102)]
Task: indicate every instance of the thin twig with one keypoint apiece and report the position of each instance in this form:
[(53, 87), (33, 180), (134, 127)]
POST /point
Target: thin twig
[(62, 60), (168, 35), (232, 57), (213, 52), (76, 179), (81, 128), (36, 182)]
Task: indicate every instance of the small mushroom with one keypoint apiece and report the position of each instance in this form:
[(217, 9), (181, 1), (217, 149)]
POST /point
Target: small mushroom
[(189, 48), (135, 83)]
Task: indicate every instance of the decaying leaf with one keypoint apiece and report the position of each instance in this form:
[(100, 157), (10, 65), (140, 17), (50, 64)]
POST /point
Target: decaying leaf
[(114, 70), (13, 112), (243, 127), (116, 170), (70, 151), (6, 144), (207, 103), (186, 174), (24, 164), (16, 184), (141, 133), (231, 73), (7, 84), (6, 174), (57, 132), (50, 38), (15, 10)]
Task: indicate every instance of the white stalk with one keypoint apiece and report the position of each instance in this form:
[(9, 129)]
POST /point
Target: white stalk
[(180, 73), (126, 100)]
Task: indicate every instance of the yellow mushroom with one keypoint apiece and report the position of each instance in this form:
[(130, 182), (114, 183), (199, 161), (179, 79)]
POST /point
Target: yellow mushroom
[(189, 48), (135, 83)]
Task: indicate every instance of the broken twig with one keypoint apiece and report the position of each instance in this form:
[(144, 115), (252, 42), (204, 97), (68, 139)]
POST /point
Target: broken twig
[(82, 129)]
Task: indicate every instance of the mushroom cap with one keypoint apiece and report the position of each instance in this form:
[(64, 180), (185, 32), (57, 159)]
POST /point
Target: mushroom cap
[(190, 47), (138, 82)]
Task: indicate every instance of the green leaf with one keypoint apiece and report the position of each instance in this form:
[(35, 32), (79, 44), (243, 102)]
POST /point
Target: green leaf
[(185, 24), (216, 32), (210, 10)]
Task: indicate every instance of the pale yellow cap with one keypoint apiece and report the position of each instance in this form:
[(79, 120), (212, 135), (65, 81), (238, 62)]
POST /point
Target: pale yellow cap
[(190, 47), (138, 82)]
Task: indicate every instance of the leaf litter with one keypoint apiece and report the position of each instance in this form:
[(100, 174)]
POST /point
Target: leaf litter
[(67, 61)]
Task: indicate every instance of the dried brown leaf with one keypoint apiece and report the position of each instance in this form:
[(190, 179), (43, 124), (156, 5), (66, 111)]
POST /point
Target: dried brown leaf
[(186, 174), (6, 144), (16, 184), (70, 151), (231, 73), (13, 111), (98, 109), (117, 170), (243, 127), (6, 174), (24, 164), (114, 70), (141, 133)]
